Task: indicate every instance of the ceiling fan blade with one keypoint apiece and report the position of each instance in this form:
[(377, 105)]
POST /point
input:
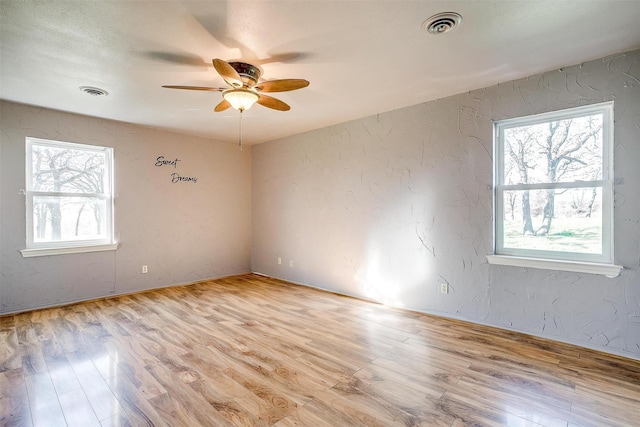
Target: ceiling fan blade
[(270, 102), (224, 104), (210, 89), (281, 85), (228, 73)]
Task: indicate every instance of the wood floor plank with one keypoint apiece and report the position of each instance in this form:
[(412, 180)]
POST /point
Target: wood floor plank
[(525, 409), (32, 358), (182, 405), (253, 351), (120, 420), (100, 397), (356, 408), (274, 403), (602, 405), (40, 388), (225, 403), (43, 401), (62, 375), (302, 417), (14, 400), (138, 409), (77, 409), (277, 367), (10, 357), (414, 405), (48, 414), (518, 384)]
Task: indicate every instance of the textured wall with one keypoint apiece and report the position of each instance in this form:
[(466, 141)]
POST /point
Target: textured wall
[(183, 231), (388, 207)]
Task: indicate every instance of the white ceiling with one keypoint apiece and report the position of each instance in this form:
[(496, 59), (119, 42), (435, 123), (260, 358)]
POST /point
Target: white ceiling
[(361, 57)]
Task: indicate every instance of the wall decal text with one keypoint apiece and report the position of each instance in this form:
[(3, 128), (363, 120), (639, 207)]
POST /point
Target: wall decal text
[(161, 161), (175, 176)]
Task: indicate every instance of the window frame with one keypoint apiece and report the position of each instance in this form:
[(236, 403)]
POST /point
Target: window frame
[(34, 248), (556, 259)]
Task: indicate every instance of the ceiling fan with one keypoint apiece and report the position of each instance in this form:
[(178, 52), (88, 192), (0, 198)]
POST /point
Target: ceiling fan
[(245, 89)]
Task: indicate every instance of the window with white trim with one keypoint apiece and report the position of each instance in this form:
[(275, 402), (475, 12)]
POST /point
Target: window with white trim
[(554, 185), (69, 197)]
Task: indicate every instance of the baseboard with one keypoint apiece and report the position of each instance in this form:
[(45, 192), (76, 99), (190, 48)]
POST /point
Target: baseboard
[(114, 295)]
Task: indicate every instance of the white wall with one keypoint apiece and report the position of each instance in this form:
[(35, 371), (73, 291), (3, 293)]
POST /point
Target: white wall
[(183, 231), (387, 207)]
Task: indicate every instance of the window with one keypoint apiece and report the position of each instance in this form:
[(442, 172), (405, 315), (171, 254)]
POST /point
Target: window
[(553, 186), (69, 197)]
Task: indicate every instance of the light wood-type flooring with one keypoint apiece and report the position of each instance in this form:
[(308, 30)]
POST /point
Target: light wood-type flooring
[(254, 351)]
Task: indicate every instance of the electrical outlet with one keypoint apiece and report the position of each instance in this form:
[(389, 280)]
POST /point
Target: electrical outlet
[(290, 263), (444, 288), (145, 269), (279, 260)]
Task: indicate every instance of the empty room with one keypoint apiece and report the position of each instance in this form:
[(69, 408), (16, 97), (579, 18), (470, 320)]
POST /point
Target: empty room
[(319, 213)]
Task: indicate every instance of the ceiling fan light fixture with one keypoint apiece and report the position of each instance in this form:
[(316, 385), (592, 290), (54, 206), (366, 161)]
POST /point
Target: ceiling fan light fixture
[(240, 99)]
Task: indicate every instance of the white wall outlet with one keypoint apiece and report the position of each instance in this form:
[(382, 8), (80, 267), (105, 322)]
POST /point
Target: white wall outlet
[(444, 288), (279, 260), (290, 263), (145, 269)]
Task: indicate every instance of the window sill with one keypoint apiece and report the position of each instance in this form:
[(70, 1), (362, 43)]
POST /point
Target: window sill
[(608, 270), (28, 253)]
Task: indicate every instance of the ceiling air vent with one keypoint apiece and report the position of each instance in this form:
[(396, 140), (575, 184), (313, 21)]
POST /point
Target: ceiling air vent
[(442, 23), (94, 91)]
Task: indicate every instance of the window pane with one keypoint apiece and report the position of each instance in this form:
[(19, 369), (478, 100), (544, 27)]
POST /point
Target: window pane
[(67, 170), (68, 219), (556, 151), (554, 220)]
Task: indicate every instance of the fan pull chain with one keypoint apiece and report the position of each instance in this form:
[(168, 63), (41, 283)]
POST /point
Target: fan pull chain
[(240, 131)]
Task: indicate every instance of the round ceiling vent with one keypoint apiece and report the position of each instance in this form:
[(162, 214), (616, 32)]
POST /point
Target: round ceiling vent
[(94, 91), (442, 23)]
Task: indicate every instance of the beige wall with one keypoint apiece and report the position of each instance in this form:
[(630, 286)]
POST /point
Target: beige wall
[(183, 231), (388, 207)]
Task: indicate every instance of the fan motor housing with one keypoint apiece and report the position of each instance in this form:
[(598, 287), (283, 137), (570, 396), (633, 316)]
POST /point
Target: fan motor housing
[(249, 73)]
